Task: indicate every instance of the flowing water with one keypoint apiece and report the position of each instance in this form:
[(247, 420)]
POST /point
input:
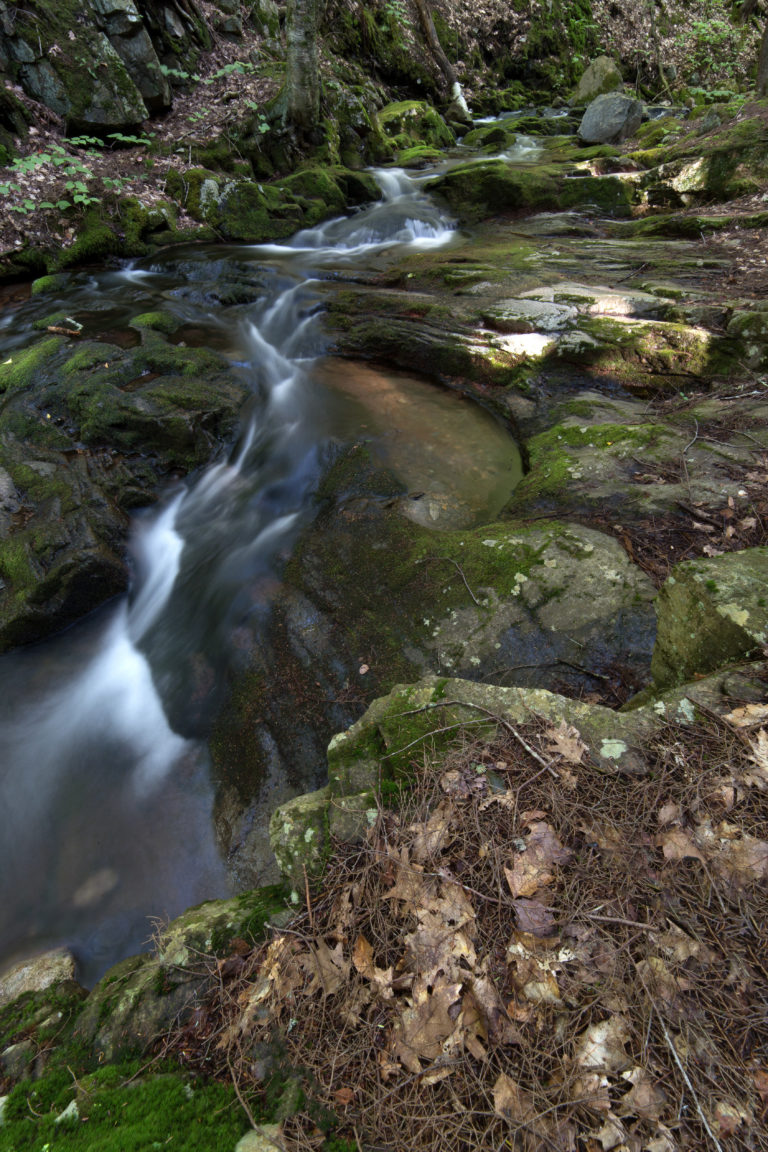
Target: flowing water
[(105, 803)]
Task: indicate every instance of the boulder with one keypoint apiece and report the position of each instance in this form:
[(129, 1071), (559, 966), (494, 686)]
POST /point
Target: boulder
[(601, 76), (610, 118), (36, 974), (100, 75), (710, 613)]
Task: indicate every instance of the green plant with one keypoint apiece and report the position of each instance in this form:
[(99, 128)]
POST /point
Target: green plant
[(121, 138)]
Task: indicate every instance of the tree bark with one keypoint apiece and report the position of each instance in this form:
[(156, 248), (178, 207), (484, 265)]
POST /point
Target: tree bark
[(436, 48), (762, 64), (301, 94)]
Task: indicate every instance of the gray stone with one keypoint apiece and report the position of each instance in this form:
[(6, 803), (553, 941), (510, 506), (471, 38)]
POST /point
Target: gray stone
[(298, 836), (262, 1138), (601, 76), (37, 973), (610, 118), (711, 613), (521, 315)]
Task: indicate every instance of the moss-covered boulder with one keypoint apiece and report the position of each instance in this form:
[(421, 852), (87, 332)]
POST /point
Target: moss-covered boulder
[(711, 613), (252, 211), (86, 435), (374, 757), (601, 75), (142, 996), (408, 123), (486, 187)]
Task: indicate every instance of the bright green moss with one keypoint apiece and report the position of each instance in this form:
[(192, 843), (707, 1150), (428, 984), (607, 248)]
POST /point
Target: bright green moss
[(22, 367)]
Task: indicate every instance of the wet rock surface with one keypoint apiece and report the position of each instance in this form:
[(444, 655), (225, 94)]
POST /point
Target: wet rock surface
[(88, 433)]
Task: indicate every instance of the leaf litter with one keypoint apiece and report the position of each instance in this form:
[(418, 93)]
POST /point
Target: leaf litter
[(517, 959)]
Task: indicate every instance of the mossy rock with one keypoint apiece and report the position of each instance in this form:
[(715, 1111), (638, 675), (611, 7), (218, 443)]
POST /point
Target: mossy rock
[(711, 613), (409, 123), (142, 996), (486, 187), (86, 434)]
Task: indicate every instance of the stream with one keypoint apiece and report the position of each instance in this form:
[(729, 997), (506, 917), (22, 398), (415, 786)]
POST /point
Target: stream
[(105, 803)]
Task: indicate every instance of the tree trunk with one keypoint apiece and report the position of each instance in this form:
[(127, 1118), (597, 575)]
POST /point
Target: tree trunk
[(762, 64), (436, 48), (301, 95)]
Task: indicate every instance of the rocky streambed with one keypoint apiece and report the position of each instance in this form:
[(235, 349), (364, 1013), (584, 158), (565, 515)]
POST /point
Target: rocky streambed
[(606, 347)]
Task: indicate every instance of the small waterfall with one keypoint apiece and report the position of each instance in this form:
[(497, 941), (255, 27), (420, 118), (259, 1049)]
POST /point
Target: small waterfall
[(105, 803)]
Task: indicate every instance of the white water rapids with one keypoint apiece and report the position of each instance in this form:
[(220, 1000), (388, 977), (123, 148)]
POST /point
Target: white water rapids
[(105, 809)]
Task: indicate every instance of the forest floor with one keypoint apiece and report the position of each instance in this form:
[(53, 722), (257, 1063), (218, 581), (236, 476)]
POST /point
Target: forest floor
[(524, 953)]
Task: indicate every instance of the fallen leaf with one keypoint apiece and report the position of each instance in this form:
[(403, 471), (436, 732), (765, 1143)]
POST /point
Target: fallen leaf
[(659, 981), (362, 957), (344, 1096), (645, 1099), (513, 1102), (611, 1134), (327, 967), (747, 715), (668, 813), (679, 946), (664, 1142), (745, 859), (434, 834), (532, 916), (761, 1084), (729, 1118), (601, 1047), (566, 741), (499, 1027), (678, 845), (410, 887), (534, 868), (423, 1028)]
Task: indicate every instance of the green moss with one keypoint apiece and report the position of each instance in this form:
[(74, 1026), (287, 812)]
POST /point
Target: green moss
[(15, 567), (50, 283), (551, 465), (95, 241), (118, 1113), (157, 321), (22, 367)]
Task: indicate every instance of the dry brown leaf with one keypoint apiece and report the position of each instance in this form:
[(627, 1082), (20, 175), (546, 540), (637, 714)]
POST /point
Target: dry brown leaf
[(410, 886), (435, 948), (344, 1096), (668, 813), (328, 969), (679, 946), (566, 741), (760, 1077), (645, 1099), (434, 834), (472, 1028), (601, 1047), (362, 957), (729, 1117), (513, 1102), (748, 715), (759, 748), (534, 868), (498, 1026), (532, 916), (423, 1028), (660, 982), (380, 978), (664, 1142), (611, 1135), (746, 859), (678, 845)]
